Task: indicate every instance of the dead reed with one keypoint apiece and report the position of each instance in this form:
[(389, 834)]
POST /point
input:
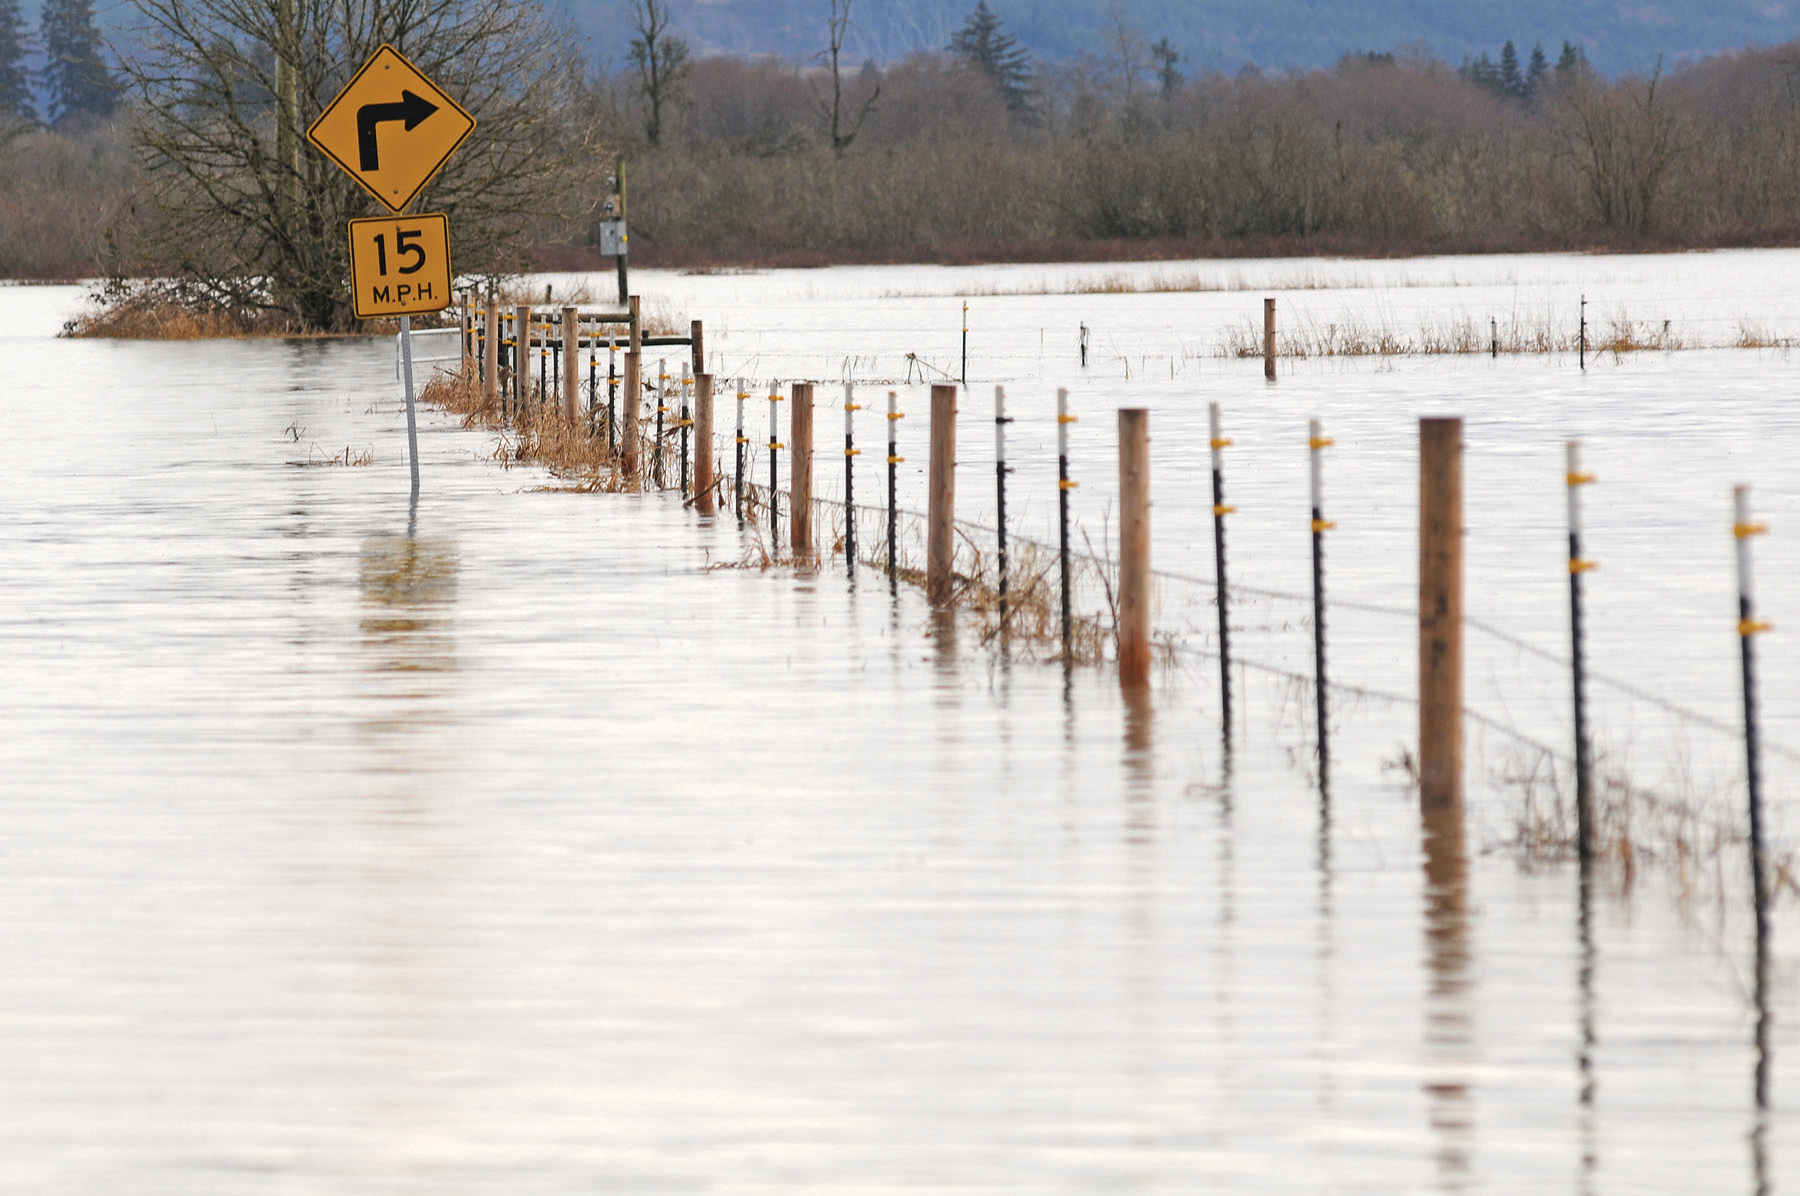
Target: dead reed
[(1355, 336)]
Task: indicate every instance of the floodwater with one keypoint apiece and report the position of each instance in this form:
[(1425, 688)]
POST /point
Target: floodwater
[(502, 844)]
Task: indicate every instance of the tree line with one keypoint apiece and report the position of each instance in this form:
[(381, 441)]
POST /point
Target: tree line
[(976, 150), (971, 151)]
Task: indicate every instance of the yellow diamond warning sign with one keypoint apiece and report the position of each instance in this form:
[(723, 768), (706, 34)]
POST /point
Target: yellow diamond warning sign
[(400, 265), (391, 128)]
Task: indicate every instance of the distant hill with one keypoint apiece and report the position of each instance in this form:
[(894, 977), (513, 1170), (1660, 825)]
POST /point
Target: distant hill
[(1225, 35), (1211, 35)]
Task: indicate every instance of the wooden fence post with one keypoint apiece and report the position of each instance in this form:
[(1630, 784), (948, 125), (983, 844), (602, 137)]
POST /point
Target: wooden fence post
[(703, 443), (1440, 613), (940, 576), (635, 307), (1269, 339), (631, 397), (490, 357), (697, 346), (1134, 547), (521, 355), (571, 374), (800, 471)]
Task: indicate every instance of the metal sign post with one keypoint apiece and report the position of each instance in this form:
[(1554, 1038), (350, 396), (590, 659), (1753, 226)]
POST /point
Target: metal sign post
[(392, 129), (412, 427)]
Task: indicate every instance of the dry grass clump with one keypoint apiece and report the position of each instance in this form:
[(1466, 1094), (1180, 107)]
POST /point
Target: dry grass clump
[(173, 310), (1752, 335), (1467, 336), (536, 434), (1692, 830)]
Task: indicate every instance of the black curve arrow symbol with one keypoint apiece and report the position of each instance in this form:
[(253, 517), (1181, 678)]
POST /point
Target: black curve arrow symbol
[(412, 109)]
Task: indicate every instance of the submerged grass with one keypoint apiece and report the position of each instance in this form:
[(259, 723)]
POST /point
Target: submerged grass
[(1355, 336)]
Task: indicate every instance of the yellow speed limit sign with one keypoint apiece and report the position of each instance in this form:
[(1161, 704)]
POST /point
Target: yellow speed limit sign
[(400, 265)]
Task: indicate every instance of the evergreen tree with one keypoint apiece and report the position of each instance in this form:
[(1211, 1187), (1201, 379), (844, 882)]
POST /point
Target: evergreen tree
[(1512, 83), (1482, 72), (1572, 61), (1535, 72), (75, 73), (1166, 73), (15, 80), (997, 53)]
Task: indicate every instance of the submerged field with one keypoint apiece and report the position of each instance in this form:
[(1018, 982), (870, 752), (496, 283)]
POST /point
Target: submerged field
[(506, 843)]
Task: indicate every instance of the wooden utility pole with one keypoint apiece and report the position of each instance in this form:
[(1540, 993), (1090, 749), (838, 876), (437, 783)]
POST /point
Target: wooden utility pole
[(1440, 613)]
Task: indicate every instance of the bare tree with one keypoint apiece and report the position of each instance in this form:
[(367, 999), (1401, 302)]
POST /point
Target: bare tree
[(662, 61), (1627, 140), (253, 229), (843, 130)]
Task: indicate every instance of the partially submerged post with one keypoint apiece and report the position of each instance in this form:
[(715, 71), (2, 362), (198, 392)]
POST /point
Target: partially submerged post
[(1063, 485), (1001, 419), (633, 398), (571, 353), (737, 476), (1134, 547), (894, 415), (851, 452), (774, 447), (490, 357), (686, 424), (1749, 627), (703, 443), (1316, 444), (940, 577), (1269, 339), (1220, 510), (1584, 786), (521, 355), (800, 470), (1440, 613)]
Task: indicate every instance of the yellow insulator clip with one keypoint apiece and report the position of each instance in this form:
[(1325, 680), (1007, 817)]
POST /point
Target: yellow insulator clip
[(776, 444), (896, 415), (1219, 442), (1068, 419), (1749, 627), (895, 460), (852, 406), (1581, 479), (743, 440), (684, 422), (1744, 530), (1576, 565), (662, 410), (1220, 509), (1315, 442), (852, 452), (1319, 525), (1066, 484)]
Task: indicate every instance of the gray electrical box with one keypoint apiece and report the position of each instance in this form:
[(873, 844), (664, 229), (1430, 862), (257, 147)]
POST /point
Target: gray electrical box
[(612, 238)]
